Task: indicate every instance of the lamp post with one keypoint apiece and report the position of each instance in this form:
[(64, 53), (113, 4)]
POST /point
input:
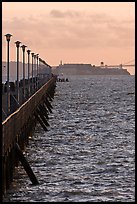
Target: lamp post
[(17, 45), (35, 81), (32, 69), (28, 51), (8, 36), (40, 71), (37, 70), (23, 49)]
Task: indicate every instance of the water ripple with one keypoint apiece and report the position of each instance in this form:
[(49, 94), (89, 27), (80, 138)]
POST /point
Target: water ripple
[(88, 154)]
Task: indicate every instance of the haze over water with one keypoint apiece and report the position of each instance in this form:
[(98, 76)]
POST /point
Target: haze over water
[(88, 154)]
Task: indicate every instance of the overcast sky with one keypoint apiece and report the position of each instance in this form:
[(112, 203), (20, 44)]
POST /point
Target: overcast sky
[(74, 32)]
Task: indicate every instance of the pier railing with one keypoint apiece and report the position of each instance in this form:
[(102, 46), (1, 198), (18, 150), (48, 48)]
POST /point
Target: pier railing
[(15, 122), (30, 89)]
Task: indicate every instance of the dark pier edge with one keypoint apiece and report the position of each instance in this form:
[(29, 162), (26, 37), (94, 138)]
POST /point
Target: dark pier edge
[(19, 126)]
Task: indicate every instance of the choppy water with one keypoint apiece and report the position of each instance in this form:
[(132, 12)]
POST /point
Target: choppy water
[(88, 154)]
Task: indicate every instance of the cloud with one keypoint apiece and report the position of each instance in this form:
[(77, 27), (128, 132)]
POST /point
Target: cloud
[(92, 29), (60, 14), (71, 30)]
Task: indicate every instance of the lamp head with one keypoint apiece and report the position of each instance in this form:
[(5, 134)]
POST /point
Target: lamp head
[(28, 51), (17, 43), (23, 47), (37, 55), (8, 36)]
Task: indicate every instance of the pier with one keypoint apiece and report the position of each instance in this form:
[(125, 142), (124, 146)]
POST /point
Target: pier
[(24, 103), (18, 126)]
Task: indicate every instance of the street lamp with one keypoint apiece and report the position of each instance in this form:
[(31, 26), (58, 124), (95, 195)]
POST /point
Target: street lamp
[(35, 79), (37, 70), (8, 36), (28, 51), (23, 49), (32, 69), (17, 45), (40, 74)]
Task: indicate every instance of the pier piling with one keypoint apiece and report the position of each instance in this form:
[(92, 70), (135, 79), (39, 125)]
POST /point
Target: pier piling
[(26, 165)]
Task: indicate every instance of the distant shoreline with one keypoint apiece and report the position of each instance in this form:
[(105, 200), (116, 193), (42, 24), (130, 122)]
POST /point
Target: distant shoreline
[(88, 69), (84, 70)]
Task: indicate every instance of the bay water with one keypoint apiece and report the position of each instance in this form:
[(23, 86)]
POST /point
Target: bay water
[(88, 152)]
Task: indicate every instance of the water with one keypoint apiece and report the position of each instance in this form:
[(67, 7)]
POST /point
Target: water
[(88, 154)]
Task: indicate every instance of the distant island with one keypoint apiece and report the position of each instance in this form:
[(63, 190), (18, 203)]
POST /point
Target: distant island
[(88, 69), (66, 69)]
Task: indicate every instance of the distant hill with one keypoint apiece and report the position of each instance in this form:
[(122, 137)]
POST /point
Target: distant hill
[(87, 69), (13, 70)]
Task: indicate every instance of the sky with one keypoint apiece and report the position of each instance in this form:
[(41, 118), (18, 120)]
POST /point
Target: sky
[(74, 32)]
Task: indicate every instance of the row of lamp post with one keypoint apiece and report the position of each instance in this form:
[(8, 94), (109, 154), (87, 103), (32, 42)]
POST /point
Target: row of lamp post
[(34, 84)]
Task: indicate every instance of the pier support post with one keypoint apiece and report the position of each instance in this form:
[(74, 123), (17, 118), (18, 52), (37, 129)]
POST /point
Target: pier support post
[(49, 96), (42, 117), (26, 165), (44, 108), (41, 122), (49, 106)]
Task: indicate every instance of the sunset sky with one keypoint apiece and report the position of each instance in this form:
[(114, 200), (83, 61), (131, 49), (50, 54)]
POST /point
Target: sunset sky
[(74, 32)]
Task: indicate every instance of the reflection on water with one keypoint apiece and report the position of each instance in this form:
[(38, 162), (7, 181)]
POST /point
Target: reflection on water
[(88, 154)]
